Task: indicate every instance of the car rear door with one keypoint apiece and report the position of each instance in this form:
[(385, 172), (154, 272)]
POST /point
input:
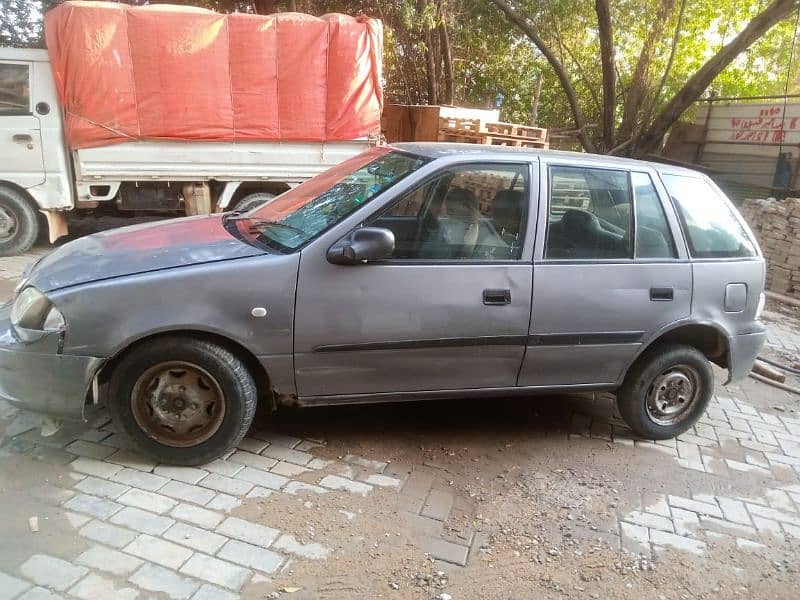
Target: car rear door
[(608, 273), (449, 311)]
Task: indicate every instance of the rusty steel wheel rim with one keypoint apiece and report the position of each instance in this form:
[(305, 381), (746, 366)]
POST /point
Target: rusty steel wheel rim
[(178, 404), (673, 394)]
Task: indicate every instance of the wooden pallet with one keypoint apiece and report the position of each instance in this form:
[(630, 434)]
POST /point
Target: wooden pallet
[(460, 137), (514, 141), (517, 130), (459, 126)]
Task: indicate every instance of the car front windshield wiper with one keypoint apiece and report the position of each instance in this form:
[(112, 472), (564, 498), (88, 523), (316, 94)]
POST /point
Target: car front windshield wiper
[(258, 225)]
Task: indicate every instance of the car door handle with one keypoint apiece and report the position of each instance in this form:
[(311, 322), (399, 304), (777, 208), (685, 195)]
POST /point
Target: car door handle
[(496, 297), (21, 138), (665, 294)]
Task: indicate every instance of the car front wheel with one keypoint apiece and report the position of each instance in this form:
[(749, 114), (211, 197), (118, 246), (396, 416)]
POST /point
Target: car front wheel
[(183, 401), (666, 391)]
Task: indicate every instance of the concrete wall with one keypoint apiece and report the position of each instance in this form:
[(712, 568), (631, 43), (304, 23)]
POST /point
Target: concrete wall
[(776, 224)]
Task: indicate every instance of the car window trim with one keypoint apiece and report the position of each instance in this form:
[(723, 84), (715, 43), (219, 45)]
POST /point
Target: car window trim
[(527, 164)]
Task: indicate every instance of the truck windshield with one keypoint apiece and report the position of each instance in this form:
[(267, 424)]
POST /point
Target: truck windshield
[(299, 215)]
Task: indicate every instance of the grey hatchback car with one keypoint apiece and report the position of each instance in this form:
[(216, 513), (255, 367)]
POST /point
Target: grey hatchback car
[(412, 271)]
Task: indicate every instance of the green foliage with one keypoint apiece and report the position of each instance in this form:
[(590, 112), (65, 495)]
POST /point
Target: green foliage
[(21, 23)]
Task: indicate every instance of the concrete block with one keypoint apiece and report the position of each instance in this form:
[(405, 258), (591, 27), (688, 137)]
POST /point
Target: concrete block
[(216, 571), (52, 572), (154, 578), (194, 537), (107, 534), (149, 501), (247, 531), (100, 508), (158, 551), (106, 559), (202, 517), (251, 556), (142, 521)]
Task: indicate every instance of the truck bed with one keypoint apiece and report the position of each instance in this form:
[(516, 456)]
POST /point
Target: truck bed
[(221, 161)]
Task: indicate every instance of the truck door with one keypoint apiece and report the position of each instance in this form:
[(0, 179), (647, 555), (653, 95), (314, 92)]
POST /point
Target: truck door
[(21, 158)]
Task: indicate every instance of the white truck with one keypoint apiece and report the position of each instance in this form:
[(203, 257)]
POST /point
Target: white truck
[(42, 181)]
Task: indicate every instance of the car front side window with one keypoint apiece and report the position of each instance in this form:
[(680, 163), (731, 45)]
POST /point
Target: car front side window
[(465, 213)]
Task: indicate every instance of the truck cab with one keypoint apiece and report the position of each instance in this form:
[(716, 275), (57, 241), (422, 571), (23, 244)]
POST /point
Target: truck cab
[(34, 162)]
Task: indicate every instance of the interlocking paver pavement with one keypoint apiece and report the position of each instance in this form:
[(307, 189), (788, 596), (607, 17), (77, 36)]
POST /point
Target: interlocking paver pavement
[(147, 528)]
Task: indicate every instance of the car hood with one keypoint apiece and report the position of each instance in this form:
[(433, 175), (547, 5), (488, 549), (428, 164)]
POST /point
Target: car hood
[(138, 249)]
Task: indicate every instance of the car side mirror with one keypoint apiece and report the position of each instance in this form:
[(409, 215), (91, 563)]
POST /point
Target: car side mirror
[(362, 245)]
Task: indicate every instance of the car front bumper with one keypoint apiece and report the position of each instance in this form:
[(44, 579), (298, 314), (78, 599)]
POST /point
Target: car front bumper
[(36, 377), (744, 350)]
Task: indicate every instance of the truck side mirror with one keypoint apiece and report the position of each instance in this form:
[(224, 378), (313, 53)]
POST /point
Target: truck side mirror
[(362, 245)]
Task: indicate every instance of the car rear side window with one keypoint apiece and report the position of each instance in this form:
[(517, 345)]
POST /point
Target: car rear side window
[(590, 214), (711, 228), (14, 89)]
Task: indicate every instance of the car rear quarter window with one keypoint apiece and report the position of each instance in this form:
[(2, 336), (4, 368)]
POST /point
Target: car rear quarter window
[(711, 228)]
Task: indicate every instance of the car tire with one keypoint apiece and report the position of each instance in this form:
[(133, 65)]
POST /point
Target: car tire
[(183, 401), (666, 390), (19, 228), (250, 201)]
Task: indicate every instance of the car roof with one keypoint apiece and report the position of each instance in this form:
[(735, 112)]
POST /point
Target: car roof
[(436, 150)]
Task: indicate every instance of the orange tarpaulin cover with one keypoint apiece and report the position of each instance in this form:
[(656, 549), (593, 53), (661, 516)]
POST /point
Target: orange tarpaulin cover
[(185, 73)]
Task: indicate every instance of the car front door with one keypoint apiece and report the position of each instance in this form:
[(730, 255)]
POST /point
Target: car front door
[(449, 310), (608, 273), (20, 136)]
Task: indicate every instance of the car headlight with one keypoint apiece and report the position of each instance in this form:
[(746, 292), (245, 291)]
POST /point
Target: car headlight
[(33, 310)]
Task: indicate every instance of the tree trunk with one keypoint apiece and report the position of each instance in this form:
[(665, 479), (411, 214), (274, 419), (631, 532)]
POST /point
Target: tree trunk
[(563, 77), (264, 7), (609, 71), (639, 84), (535, 105), (446, 55), (430, 62), (699, 82)]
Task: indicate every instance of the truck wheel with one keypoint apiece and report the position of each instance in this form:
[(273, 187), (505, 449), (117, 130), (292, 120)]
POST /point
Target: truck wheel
[(19, 226), (250, 201), (183, 401), (666, 391)]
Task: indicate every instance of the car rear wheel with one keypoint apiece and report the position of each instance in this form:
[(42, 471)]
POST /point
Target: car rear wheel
[(183, 401), (19, 225), (666, 391)]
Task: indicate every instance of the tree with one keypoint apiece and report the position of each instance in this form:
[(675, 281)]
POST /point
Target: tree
[(646, 117), (21, 23)]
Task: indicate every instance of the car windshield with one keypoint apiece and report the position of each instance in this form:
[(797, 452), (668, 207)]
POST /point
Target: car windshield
[(299, 215)]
